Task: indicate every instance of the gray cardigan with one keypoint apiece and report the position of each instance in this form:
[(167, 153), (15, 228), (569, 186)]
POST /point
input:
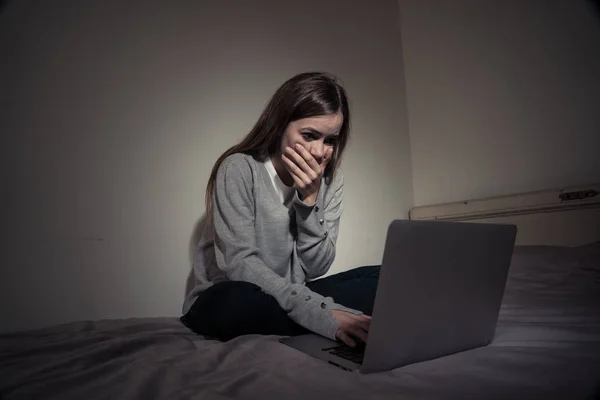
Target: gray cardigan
[(255, 238)]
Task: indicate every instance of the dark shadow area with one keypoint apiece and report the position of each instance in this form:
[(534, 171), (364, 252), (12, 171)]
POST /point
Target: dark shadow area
[(596, 8)]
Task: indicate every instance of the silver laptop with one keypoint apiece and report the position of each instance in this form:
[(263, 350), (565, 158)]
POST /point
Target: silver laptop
[(439, 292)]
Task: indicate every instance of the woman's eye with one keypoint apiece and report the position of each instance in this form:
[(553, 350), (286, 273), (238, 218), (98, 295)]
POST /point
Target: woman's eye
[(308, 136)]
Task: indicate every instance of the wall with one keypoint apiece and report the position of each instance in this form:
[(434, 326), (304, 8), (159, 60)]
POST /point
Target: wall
[(116, 111), (502, 96)]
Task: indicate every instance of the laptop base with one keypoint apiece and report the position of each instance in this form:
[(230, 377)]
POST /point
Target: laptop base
[(317, 346)]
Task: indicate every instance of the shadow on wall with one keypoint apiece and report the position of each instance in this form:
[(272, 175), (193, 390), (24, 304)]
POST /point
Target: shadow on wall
[(596, 7), (196, 234)]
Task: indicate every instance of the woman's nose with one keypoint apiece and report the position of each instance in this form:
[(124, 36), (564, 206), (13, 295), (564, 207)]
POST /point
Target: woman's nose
[(317, 150)]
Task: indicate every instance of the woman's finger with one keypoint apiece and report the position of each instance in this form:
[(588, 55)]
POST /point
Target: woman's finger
[(344, 337), (297, 174), (308, 158), (361, 320), (327, 158), (357, 331), (301, 162)]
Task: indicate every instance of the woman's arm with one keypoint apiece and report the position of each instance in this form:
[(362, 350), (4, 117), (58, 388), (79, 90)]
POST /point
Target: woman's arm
[(238, 255), (318, 227)]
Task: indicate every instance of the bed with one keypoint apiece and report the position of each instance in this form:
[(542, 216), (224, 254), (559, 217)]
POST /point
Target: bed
[(547, 341)]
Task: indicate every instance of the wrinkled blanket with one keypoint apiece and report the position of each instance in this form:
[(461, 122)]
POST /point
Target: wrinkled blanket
[(547, 345)]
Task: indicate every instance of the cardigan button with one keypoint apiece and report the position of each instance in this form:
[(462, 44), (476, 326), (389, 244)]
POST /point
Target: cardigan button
[(321, 221)]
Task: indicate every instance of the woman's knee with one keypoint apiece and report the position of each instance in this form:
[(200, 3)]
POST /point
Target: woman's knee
[(218, 305), (234, 308)]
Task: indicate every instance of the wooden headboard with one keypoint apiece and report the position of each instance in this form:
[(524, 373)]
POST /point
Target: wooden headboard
[(556, 217)]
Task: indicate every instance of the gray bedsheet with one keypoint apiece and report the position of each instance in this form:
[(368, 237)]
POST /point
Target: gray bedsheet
[(547, 345)]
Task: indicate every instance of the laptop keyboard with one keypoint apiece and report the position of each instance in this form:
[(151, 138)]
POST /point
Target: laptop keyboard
[(354, 354)]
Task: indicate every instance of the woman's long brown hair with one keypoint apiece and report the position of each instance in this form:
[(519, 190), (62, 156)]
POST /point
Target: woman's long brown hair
[(305, 95)]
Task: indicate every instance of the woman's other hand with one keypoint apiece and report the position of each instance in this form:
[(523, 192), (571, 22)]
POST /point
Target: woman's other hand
[(306, 171), (352, 327)]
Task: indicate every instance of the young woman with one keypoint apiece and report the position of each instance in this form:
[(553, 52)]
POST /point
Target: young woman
[(273, 208)]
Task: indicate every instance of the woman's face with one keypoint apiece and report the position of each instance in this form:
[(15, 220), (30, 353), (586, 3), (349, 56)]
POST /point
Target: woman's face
[(316, 134)]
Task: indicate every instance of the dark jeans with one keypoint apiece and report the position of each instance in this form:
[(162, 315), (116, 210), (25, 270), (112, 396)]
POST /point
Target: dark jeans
[(234, 308)]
